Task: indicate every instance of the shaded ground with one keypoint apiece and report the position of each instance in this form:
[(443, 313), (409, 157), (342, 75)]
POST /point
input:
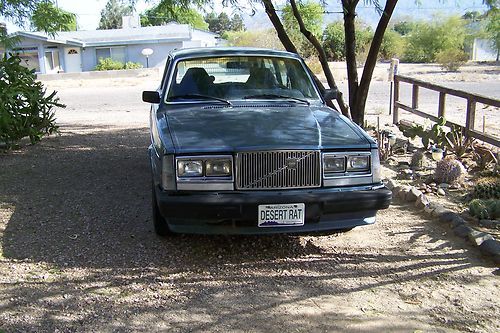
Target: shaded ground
[(78, 253)]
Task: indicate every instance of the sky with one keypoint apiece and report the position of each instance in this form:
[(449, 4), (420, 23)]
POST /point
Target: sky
[(88, 12)]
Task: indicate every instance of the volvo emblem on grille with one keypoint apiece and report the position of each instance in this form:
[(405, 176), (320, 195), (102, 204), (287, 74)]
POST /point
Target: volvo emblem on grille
[(292, 163)]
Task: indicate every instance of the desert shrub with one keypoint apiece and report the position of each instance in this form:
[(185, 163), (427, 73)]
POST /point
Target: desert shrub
[(258, 38), (451, 59), (25, 108), (426, 39), (108, 64), (132, 65), (392, 46)]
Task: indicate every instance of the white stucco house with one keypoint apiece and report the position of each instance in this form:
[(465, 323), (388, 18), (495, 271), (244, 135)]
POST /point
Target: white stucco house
[(78, 51)]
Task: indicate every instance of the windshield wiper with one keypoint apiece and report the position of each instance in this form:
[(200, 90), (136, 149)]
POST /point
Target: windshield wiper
[(276, 96), (198, 96)]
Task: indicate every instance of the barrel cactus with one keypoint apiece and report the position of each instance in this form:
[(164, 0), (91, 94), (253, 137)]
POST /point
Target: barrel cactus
[(487, 188), (449, 170), (485, 209)]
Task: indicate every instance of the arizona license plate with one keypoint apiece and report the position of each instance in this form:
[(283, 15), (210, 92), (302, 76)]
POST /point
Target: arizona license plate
[(281, 215)]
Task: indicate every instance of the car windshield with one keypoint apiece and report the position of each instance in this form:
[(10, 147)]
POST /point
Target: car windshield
[(226, 78)]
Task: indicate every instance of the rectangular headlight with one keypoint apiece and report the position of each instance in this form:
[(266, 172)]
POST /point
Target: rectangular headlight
[(333, 164), (189, 168), (218, 167), (358, 163)]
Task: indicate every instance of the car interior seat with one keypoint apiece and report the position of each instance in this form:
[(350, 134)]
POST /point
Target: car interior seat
[(195, 81), (261, 78)]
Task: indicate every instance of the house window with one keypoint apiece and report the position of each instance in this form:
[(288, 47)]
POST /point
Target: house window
[(115, 53), (72, 51), (52, 61), (29, 58)]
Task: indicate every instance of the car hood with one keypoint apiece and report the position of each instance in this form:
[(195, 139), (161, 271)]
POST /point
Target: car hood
[(254, 127)]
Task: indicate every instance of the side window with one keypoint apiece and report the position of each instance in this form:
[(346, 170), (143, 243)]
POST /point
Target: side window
[(165, 76)]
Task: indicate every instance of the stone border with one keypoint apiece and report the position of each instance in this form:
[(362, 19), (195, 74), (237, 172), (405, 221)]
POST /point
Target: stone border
[(486, 243)]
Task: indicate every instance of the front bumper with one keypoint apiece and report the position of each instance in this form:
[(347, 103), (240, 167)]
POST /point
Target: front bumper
[(235, 212)]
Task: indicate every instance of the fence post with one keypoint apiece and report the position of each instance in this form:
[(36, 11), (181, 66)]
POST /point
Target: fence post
[(414, 97), (441, 108), (471, 114), (395, 111)]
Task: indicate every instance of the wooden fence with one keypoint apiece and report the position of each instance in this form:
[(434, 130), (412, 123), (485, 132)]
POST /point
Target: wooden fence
[(472, 100)]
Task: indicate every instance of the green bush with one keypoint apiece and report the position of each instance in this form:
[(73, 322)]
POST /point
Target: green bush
[(392, 46), (108, 64), (451, 59), (133, 65), (426, 40), (334, 41), (485, 209), (25, 108)]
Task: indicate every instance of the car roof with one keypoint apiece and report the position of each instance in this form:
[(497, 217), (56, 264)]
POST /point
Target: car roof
[(201, 52)]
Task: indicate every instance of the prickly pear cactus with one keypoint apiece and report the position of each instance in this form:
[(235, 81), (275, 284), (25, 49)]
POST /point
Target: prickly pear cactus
[(449, 171), (487, 188)]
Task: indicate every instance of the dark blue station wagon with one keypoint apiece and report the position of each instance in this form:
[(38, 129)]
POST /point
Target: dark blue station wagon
[(242, 142)]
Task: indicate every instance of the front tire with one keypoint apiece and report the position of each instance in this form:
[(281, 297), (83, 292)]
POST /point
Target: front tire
[(159, 222)]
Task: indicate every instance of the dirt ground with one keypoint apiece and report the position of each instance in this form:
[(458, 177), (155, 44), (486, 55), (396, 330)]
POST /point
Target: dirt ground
[(78, 252)]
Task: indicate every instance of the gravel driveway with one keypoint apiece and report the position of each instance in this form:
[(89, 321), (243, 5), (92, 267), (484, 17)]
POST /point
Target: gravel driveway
[(78, 251)]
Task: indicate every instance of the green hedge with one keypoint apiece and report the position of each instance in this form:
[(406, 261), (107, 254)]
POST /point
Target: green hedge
[(108, 64)]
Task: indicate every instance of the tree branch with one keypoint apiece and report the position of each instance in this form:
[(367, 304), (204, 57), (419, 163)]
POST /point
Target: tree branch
[(349, 7), (321, 56), (278, 26), (371, 60)]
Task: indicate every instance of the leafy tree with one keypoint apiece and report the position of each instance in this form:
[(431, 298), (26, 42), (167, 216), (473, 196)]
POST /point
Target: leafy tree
[(334, 40), (312, 15), (237, 23), (47, 17), (403, 27), (218, 23), (429, 38), (162, 14), (393, 45), (111, 15), (262, 38), (493, 29)]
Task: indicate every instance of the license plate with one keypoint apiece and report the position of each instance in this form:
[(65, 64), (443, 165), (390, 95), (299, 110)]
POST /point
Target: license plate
[(281, 215)]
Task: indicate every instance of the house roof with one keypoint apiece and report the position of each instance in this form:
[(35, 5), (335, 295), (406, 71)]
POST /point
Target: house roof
[(169, 32)]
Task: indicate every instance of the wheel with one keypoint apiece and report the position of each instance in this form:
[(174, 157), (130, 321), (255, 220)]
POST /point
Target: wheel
[(159, 222)]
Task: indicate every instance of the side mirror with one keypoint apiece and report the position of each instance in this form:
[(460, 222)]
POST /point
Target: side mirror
[(151, 97), (330, 94)]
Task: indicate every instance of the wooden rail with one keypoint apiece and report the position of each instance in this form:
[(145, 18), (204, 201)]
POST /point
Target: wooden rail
[(472, 100)]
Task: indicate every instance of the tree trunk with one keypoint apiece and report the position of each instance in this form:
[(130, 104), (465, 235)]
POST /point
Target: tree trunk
[(371, 61), (349, 7), (321, 56), (278, 26)]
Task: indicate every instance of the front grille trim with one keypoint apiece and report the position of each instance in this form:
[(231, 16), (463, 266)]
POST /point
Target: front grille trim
[(267, 170)]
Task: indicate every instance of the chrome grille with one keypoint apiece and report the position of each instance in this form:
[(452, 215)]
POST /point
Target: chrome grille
[(278, 169)]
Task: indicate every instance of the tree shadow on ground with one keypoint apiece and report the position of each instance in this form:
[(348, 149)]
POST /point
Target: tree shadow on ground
[(81, 203)]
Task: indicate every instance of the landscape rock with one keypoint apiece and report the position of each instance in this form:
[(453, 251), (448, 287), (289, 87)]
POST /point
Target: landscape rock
[(456, 221), (440, 210), (449, 216), (444, 185), (430, 208), (441, 192), (462, 231), (422, 201), (403, 192), (492, 224), (490, 247), (478, 237), (413, 194)]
